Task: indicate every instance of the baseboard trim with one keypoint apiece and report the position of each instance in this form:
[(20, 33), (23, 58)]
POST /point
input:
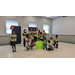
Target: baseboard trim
[(67, 42), (4, 44)]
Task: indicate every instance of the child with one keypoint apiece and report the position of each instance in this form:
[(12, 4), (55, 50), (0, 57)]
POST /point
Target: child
[(13, 41), (41, 36), (56, 40), (52, 42), (49, 46), (44, 43)]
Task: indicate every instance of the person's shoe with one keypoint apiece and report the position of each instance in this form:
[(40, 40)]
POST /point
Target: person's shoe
[(12, 50)]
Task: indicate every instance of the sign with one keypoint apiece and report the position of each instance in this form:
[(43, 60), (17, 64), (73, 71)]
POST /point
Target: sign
[(39, 44)]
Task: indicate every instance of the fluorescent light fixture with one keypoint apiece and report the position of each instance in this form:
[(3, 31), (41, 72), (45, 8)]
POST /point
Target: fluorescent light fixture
[(48, 16)]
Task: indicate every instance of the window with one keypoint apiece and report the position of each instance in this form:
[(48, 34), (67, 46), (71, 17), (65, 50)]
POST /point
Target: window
[(8, 24), (32, 24), (46, 27)]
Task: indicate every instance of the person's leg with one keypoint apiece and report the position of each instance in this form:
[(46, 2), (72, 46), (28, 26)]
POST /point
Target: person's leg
[(15, 48), (24, 42), (56, 45), (28, 47), (35, 39), (12, 48)]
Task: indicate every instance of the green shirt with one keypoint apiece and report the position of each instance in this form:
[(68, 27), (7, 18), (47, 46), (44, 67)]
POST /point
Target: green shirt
[(41, 36), (24, 33), (38, 36), (15, 39), (51, 41), (45, 42)]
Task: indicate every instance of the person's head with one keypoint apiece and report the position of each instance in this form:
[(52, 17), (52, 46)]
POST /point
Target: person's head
[(48, 41), (30, 29), (50, 38), (56, 36), (34, 29), (43, 30), (24, 30), (41, 33), (13, 32)]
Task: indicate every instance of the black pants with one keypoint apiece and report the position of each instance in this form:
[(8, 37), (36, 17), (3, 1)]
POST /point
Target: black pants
[(24, 42), (41, 39), (35, 38), (56, 45)]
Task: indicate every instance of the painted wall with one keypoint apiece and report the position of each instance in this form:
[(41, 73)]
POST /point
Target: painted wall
[(23, 22), (69, 24), (39, 20)]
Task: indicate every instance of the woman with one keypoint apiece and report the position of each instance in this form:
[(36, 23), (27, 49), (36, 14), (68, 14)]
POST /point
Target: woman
[(24, 36), (28, 40), (39, 31), (35, 35), (44, 34), (13, 41), (30, 31)]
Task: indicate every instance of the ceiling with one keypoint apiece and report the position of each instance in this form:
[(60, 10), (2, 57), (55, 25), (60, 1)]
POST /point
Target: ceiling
[(50, 16)]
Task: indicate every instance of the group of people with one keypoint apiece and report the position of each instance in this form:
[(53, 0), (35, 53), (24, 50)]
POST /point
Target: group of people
[(33, 36), (30, 38)]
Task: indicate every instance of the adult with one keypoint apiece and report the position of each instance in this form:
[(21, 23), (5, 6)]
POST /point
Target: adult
[(28, 42), (39, 31), (24, 36), (13, 41), (35, 34), (30, 31), (44, 34)]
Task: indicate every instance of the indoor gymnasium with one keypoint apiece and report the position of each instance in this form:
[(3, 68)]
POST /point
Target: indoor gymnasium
[(37, 36)]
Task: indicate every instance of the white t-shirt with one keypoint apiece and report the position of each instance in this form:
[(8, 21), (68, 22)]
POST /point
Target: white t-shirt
[(28, 43)]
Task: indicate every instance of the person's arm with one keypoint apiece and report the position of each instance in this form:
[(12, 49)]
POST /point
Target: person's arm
[(15, 36), (11, 37)]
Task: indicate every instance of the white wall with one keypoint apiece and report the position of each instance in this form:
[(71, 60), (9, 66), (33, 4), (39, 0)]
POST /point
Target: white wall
[(23, 22), (63, 25), (39, 20), (2, 23)]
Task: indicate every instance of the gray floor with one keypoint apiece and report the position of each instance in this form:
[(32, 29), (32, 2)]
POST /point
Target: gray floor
[(65, 50)]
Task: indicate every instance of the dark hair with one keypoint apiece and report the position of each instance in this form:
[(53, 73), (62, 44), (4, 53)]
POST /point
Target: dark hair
[(48, 41), (50, 37), (40, 32), (43, 30), (57, 36)]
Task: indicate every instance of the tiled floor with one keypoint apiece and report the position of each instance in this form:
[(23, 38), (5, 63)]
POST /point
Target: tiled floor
[(65, 50)]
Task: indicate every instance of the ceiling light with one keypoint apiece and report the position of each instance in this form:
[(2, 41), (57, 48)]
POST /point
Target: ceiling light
[(48, 16)]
